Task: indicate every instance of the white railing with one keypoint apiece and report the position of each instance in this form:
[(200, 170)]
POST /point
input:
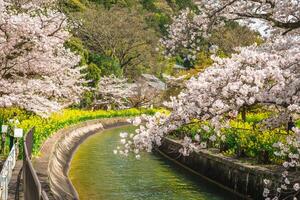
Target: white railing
[(6, 173)]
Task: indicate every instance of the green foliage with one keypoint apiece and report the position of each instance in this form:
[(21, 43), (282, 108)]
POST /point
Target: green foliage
[(149, 5), (72, 5), (6, 114), (203, 60), (193, 129), (233, 35), (107, 65), (182, 4), (118, 38), (76, 45), (92, 74), (149, 17), (97, 65), (108, 4), (159, 21), (87, 100), (254, 118), (298, 123), (159, 14), (91, 71)]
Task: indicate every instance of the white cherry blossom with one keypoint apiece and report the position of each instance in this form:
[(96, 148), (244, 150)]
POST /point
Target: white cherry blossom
[(37, 72)]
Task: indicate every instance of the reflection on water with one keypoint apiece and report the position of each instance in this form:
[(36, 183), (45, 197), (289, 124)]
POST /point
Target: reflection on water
[(98, 174)]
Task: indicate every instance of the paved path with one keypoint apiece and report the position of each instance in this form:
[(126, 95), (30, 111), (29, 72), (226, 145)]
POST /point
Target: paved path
[(13, 182)]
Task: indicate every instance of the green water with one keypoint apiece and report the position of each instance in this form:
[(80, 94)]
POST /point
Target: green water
[(98, 174)]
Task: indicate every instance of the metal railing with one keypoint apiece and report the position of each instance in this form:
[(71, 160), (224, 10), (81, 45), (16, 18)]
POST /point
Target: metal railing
[(6, 173), (31, 184)]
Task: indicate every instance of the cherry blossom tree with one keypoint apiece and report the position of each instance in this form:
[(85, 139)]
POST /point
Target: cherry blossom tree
[(277, 13), (267, 75), (149, 91), (37, 72), (289, 187), (185, 34), (190, 29), (113, 91), (120, 94)]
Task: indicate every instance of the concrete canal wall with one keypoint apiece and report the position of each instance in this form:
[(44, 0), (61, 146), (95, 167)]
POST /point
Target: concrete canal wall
[(53, 164), (245, 180)]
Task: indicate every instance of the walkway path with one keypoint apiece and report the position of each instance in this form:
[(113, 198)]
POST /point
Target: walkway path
[(12, 187)]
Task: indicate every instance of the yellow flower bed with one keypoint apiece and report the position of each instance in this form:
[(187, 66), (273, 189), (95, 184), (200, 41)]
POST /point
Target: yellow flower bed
[(45, 127)]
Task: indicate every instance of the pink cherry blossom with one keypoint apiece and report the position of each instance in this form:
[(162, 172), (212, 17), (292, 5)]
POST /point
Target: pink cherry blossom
[(37, 72)]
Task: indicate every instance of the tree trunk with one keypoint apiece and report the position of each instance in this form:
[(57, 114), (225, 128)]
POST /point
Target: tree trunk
[(244, 114)]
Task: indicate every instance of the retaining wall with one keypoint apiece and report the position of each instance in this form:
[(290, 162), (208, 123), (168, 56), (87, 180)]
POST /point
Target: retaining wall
[(53, 164), (245, 180)]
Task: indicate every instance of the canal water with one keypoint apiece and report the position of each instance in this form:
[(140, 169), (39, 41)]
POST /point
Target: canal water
[(98, 174)]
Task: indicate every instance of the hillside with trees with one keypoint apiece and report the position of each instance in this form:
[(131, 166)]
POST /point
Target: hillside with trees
[(134, 37)]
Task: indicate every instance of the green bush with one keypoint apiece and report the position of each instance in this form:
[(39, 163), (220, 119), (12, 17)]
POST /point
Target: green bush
[(72, 5), (107, 65)]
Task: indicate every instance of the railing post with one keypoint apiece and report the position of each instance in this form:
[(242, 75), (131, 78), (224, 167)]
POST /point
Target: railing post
[(32, 186), (3, 186), (6, 188), (6, 173)]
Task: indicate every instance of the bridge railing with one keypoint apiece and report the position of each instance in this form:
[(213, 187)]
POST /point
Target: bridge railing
[(6, 173), (31, 184)]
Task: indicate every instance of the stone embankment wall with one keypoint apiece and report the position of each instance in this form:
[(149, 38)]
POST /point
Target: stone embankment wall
[(53, 164), (245, 180)]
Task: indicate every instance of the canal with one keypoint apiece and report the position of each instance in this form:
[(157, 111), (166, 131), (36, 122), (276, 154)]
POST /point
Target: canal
[(98, 174)]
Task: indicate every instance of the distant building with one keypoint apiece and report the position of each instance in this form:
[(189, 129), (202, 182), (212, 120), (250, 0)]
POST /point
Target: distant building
[(149, 91), (153, 81)]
